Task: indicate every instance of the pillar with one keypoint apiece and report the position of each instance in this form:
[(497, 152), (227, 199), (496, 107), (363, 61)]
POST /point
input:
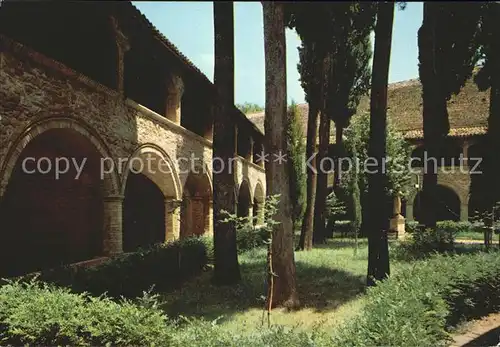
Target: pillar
[(465, 153), (250, 155), (235, 140), (186, 218), (198, 216), (209, 219), (175, 90), (122, 45), (397, 223), (113, 222), (409, 212), (250, 213), (172, 231), (464, 212)]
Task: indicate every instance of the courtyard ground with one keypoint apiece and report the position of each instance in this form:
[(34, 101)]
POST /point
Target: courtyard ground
[(331, 283)]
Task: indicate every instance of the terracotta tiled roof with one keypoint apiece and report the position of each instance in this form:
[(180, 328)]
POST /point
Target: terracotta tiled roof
[(165, 41), (468, 111)]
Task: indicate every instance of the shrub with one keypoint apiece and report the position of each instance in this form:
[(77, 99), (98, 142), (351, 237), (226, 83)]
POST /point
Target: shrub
[(425, 241), (37, 313), (418, 306), (411, 226), (41, 314), (163, 266), (249, 236)]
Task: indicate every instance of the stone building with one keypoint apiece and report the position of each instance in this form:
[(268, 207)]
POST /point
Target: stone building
[(468, 113), (93, 89)]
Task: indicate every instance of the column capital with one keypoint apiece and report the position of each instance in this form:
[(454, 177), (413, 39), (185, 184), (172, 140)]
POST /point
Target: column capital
[(111, 198)]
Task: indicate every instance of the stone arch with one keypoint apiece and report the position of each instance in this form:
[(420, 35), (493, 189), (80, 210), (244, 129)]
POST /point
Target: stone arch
[(196, 208), (448, 206), (244, 206), (165, 176), (52, 218), (111, 180), (259, 199), (151, 189)]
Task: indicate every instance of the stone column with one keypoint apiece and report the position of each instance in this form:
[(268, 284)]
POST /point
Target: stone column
[(175, 90), (397, 223), (187, 221), (171, 219), (250, 212), (464, 212), (210, 219), (250, 149), (465, 152), (235, 140), (122, 45), (409, 212), (113, 232)]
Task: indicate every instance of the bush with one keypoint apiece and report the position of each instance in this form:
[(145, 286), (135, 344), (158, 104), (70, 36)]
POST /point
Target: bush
[(36, 313), (411, 226), (40, 314), (249, 237), (164, 266), (427, 241), (419, 305)]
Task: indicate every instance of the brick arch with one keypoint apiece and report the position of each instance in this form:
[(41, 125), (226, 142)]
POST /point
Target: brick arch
[(170, 189), (245, 199), (199, 170), (259, 192), (196, 208), (111, 181), (238, 187), (258, 201), (462, 196)]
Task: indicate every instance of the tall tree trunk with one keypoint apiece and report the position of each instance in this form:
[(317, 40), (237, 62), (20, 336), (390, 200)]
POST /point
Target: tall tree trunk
[(338, 144), (306, 232), (227, 269), (378, 251), (283, 261), (435, 115), (322, 179), (492, 159)]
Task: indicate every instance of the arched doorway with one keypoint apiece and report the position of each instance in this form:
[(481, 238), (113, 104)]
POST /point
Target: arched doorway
[(151, 184), (447, 205), (196, 207), (143, 213), (244, 200), (51, 218), (259, 199)]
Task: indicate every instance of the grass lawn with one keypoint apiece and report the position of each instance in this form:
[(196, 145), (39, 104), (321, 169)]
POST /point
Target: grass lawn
[(331, 284), (471, 235)]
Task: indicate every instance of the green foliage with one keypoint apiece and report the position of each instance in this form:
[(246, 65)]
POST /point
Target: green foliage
[(335, 208), (163, 266), (249, 107), (35, 313), (296, 155), (350, 55), (39, 314), (448, 43), (398, 152), (411, 226), (424, 242), (417, 306), (250, 236), (334, 53)]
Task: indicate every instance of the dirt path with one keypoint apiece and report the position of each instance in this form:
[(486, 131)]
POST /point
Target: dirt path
[(483, 332)]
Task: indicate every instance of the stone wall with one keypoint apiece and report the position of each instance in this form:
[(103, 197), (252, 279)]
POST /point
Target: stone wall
[(38, 95)]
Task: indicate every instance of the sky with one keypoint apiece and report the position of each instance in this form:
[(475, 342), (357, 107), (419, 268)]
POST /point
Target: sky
[(189, 26)]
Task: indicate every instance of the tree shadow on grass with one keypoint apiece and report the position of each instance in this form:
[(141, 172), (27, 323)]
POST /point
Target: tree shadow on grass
[(320, 288)]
